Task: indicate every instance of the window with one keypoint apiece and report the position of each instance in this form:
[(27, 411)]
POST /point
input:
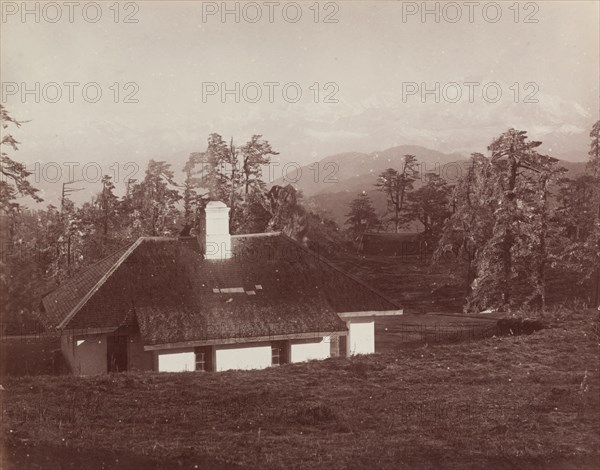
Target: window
[(204, 359), (275, 356), (279, 353), (201, 361)]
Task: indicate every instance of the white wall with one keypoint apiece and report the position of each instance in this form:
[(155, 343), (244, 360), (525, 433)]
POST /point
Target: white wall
[(218, 240), (177, 361), (244, 356), (361, 336), (307, 350), (257, 356)]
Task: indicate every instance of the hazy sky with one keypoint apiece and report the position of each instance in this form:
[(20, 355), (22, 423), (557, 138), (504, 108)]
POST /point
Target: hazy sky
[(369, 57)]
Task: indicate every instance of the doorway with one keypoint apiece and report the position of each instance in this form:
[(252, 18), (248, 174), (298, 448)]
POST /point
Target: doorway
[(116, 352)]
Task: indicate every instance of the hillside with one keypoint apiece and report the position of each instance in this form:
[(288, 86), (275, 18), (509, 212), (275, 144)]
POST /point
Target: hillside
[(342, 176), (336, 170), (504, 402)]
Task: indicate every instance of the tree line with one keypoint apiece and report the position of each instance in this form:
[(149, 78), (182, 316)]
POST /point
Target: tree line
[(43, 247), (508, 222)]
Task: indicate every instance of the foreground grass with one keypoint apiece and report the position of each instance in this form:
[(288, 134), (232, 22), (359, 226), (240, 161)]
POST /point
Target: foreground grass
[(513, 402)]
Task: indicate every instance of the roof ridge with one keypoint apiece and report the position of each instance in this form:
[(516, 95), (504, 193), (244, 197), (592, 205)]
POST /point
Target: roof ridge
[(331, 265), (99, 284)]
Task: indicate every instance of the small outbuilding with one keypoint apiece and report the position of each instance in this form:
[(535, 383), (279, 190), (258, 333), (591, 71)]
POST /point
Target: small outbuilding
[(212, 303)]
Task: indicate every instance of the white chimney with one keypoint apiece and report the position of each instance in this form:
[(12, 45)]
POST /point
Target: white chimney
[(218, 240)]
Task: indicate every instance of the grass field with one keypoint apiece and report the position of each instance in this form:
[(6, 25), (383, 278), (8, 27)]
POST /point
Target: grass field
[(409, 280), (527, 402), (422, 287)]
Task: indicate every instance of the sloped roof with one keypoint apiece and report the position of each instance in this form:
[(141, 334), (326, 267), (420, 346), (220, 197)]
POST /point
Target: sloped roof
[(64, 299), (271, 285)]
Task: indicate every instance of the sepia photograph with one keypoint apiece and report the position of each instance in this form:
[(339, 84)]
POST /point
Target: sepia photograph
[(300, 235)]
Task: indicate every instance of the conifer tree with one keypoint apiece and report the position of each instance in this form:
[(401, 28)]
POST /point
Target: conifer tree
[(396, 185), (362, 215)]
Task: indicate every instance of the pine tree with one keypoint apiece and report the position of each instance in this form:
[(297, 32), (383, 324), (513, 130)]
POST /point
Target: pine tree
[(18, 269), (430, 206), (593, 165), (102, 223), (469, 227), (362, 215), (575, 209), (14, 181), (501, 224), (255, 154), (593, 241), (577, 216), (234, 175), (396, 185), (538, 234), (511, 152), (195, 196), (153, 209)]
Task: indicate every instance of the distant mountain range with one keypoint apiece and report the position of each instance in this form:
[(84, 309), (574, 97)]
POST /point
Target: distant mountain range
[(330, 184)]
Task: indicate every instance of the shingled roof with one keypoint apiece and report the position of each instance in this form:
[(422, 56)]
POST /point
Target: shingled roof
[(272, 285), (63, 300)]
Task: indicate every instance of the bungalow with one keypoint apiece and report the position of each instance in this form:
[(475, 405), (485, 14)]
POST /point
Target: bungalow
[(212, 303)]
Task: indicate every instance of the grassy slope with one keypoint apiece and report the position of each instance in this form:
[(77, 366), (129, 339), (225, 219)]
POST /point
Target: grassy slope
[(421, 287), (410, 280), (496, 403)]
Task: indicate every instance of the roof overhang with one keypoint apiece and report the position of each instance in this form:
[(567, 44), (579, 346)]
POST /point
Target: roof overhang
[(87, 331), (374, 313), (236, 340)]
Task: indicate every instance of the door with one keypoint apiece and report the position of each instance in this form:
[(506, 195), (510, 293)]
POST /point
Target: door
[(204, 359), (116, 351), (279, 353)]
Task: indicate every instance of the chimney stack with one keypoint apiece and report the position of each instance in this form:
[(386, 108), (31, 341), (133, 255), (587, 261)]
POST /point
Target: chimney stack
[(218, 240)]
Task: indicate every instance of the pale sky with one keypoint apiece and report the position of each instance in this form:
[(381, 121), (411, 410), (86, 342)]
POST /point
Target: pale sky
[(371, 55)]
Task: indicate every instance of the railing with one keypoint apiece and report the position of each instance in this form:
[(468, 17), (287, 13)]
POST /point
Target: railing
[(24, 332), (423, 333)]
